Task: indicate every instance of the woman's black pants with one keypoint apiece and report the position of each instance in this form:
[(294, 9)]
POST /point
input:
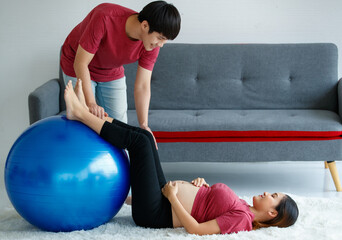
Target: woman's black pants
[(149, 207)]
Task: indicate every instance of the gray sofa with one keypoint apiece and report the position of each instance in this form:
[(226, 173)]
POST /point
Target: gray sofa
[(235, 102)]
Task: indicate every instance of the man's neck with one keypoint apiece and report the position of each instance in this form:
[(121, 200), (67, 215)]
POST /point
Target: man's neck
[(132, 28)]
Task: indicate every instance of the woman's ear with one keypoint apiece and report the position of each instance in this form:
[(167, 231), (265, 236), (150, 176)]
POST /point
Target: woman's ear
[(273, 213)]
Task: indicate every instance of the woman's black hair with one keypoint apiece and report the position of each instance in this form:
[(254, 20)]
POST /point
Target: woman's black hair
[(162, 17), (287, 215)]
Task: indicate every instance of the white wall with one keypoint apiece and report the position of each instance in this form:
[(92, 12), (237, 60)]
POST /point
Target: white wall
[(31, 33)]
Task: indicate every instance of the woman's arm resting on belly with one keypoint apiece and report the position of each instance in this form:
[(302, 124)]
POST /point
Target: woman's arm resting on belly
[(190, 224)]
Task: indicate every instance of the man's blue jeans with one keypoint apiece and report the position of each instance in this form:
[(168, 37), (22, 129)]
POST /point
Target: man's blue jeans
[(112, 96)]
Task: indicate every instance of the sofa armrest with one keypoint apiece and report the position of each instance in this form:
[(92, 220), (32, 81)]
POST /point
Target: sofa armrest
[(339, 95), (45, 101)]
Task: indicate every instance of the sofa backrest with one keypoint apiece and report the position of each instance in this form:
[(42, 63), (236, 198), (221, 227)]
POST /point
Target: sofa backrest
[(242, 76)]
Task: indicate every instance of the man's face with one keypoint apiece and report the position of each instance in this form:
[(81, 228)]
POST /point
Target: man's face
[(153, 40)]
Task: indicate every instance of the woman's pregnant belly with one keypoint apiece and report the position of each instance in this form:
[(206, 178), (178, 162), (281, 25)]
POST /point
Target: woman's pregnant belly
[(186, 195)]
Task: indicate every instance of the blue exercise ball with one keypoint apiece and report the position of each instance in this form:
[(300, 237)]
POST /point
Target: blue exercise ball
[(61, 176)]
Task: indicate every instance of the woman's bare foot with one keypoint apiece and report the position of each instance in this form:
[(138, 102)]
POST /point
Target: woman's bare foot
[(73, 105), (79, 93), (128, 200)]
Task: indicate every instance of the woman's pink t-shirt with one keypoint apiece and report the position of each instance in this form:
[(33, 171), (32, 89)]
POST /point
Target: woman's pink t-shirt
[(103, 33), (221, 203)]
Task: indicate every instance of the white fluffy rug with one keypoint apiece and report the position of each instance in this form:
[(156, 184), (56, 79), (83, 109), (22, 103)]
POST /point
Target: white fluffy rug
[(320, 218)]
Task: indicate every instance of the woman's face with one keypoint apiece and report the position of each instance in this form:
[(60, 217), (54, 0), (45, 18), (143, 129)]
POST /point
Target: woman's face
[(267, 202)]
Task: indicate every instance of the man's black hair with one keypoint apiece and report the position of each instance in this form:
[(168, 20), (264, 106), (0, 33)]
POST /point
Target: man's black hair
[(162, 17)]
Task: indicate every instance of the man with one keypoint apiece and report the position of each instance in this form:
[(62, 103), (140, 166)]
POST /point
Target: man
[(109, 37)]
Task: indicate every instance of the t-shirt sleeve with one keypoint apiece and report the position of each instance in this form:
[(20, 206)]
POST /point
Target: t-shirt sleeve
[(233, 222), (91, 37), (149, 58)]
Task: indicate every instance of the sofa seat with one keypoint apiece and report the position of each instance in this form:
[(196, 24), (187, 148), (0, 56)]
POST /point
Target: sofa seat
[(242, 125)]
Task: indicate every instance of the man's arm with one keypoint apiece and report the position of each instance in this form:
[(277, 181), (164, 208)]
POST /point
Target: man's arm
[(142, 96), (82, 60)]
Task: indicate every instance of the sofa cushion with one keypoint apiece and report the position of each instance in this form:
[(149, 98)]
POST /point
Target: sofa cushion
[(242, 76), (242, 125)]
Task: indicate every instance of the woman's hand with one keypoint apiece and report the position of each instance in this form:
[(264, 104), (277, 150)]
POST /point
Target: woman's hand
[(170, 189), (199, 182), (97, 110)]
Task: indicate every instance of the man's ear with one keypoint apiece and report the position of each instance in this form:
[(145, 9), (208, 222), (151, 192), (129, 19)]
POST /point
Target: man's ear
[(273, 213), (145, 26)]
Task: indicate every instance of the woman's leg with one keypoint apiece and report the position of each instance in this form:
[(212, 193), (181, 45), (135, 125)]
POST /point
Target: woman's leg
[(161, 177), (76, 111), (149, 207)]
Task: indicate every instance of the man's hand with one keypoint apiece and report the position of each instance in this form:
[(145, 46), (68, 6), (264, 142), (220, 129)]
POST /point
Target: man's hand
[(97, 110), (149, 129)]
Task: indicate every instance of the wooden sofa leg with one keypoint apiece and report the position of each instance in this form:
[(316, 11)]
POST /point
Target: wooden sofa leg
[(334, 174), (325, 164)]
